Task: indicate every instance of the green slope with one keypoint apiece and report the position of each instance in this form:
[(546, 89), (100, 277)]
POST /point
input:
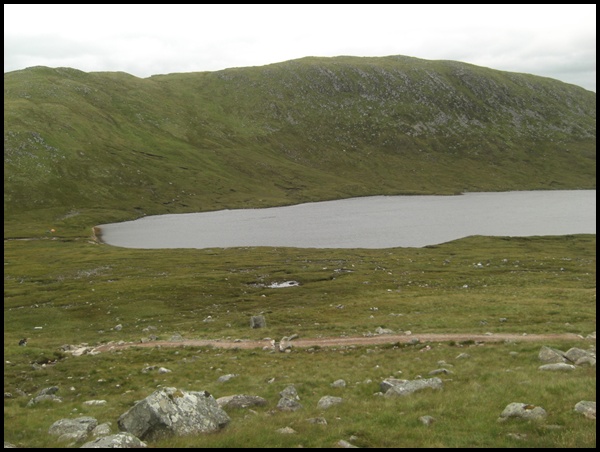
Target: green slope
[(85, 148)]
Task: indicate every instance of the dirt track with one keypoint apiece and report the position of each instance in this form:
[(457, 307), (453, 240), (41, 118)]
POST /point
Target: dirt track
[(339, 341)]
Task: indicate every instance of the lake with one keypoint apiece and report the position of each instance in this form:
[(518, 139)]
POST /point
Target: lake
[(367, 222)]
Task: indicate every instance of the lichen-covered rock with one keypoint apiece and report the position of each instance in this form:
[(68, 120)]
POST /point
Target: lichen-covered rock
[(172, 412)]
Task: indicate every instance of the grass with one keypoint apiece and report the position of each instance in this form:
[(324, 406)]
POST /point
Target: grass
[(83, 149), (78, 291)]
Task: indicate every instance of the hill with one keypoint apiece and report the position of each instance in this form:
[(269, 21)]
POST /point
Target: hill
[(83, 148)]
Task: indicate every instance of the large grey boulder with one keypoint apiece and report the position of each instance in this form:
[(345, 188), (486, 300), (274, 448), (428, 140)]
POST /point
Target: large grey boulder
[(122, 440), (172, 412)]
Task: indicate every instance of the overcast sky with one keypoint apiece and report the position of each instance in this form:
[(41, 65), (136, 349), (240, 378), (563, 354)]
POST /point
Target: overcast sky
[(557, 41)]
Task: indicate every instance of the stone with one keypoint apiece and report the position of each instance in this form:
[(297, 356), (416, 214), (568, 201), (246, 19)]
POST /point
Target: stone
[(173, 412)]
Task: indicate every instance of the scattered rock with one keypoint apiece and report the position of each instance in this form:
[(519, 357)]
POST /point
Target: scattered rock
[(258, 321), (224, 378), (522, 411), (392, 387), (557, 366), (338, 384), (240, 401), (102, 430), (317, 420), (75, 430), (440, 371), (551, 355), (380, 330), (326, 402), (288, 405), (289, 399), (45, 394), (121, 440), (94, 402), (427, 420), (587, 408)]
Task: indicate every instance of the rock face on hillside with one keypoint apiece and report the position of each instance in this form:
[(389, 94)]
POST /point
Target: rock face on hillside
[(170, 411)]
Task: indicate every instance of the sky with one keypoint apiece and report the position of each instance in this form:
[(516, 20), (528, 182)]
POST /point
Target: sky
[(556, 41)]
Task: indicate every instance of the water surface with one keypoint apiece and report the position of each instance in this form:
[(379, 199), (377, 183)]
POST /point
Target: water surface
[(367, 222)]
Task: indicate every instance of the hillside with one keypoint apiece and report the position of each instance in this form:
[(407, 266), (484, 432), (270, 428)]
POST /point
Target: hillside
[(84, 148)]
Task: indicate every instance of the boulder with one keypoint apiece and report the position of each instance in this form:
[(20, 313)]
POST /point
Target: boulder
[(172, 412)]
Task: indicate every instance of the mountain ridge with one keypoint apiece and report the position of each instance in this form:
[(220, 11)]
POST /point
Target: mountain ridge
[(115, 146)]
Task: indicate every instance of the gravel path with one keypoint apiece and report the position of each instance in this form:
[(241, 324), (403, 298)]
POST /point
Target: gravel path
[(339, 341)]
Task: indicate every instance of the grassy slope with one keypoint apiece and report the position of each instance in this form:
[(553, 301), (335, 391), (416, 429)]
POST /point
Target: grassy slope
[(78, 292), (110, 146), (83, 149)]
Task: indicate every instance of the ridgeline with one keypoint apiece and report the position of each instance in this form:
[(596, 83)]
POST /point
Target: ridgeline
[(87, 148)]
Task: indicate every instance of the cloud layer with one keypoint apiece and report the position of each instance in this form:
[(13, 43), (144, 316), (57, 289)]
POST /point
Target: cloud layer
[(557, 41)]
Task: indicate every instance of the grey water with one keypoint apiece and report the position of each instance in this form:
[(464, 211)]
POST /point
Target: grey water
[(367, 222)]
